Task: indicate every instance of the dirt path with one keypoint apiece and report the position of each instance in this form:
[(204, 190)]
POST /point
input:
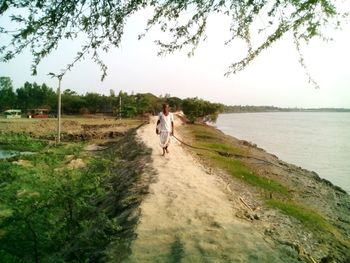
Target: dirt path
[(187, 217)]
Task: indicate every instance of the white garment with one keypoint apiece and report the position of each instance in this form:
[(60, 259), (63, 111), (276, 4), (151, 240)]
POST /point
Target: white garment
[(165, 122)]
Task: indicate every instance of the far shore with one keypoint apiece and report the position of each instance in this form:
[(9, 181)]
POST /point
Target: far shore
[(254, 109)]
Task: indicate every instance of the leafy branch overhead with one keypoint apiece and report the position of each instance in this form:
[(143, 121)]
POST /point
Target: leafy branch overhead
[(42, 25)]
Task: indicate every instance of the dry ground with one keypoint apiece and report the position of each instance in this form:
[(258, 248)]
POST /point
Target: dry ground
[(190, 217), (71, 127)]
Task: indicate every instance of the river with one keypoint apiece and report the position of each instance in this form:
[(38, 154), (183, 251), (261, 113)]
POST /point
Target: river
[(317, 141), (6, 154)]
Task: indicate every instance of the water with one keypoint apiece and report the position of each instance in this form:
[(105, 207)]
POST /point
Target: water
[(6, 154), (9, 153), (317, 141)]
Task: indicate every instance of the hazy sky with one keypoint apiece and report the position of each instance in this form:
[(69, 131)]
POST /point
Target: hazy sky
[(275, 78)]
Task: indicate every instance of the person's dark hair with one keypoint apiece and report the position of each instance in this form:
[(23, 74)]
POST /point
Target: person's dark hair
[(165, 104)]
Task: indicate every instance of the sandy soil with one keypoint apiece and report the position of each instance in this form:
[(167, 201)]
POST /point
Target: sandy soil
[(188, 215)]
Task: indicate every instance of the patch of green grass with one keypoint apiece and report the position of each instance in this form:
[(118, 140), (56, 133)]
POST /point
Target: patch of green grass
[(237, 169), (56, 155), (204, 137), (217, 146), (20, 142), (302, 213), (308, 217), (212, 139), (176, 251)]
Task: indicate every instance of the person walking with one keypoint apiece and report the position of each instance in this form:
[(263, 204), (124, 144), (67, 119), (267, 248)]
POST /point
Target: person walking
[(165, 127)]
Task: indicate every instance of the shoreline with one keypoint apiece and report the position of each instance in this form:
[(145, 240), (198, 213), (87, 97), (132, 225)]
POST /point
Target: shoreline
[(310, 199), (199, 197), (317, 176), (317, 146)]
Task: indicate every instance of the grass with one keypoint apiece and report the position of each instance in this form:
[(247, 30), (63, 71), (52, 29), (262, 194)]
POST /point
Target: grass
[(20, 142), (308, 217), (82, 212), (210, 138), (219, 147), (239, 170)]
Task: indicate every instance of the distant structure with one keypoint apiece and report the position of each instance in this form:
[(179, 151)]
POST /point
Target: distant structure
[(13, 114), (38, 113)]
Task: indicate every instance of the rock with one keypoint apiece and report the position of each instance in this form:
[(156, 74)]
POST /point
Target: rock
[(76, 164), (95, 147), (25, 163), (69, 157)]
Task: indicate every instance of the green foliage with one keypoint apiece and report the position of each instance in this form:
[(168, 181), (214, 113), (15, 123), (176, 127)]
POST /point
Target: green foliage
[(20, 142), (209, 138), (217, 146), (44, 24), (50, 212), (72, 103), (195, 109), (309, 218), (148, 103), (7, 95), (175, 103), (32, 95), (304, 214), (237, 169), (44, 200)]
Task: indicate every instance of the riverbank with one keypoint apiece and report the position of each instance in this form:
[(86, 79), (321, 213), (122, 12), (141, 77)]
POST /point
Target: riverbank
[(316, 141), (119, 200), (293, 206), (75, 201), (73, 128)]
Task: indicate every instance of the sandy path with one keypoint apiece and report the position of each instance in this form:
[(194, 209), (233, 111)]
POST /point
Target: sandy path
[(187, 216)]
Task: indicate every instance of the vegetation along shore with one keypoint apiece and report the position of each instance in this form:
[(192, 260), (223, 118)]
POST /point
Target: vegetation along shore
[(105, 194), (82, 200)]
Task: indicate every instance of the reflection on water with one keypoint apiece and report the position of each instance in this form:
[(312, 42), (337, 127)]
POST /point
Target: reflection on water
[(8, 153), (317, 141)]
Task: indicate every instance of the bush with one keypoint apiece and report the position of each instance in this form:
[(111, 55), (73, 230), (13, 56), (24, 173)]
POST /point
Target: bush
[(195, 109)]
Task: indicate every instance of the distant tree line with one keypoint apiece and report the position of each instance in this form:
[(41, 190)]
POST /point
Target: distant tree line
[(32, 95), (247, 108)]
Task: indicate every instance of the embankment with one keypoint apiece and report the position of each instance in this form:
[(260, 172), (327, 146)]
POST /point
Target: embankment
[(73, 202), (293, 206)]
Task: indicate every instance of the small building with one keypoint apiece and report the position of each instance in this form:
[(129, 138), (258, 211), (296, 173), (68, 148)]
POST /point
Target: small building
[(13, 114), (38, 113)]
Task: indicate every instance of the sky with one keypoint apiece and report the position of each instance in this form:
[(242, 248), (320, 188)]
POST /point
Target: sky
[(275, 78)]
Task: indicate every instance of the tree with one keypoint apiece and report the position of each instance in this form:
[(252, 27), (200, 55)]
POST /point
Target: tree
[(32, 95), (72, 103), (46, 23), (7, 96), (174, 102), (195, 109), (94, 102)]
